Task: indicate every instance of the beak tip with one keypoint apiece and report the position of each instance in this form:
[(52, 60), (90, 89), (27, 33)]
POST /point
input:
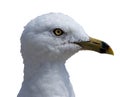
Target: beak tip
[(106, 49), (110, 51)]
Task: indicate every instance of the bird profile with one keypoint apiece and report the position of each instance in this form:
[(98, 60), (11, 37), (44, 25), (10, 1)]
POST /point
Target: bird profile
[(46, 43)]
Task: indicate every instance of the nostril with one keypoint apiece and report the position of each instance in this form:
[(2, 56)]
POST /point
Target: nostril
[(96, 43)]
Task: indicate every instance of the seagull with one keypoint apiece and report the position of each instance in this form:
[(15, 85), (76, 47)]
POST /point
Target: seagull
[(46, 43)]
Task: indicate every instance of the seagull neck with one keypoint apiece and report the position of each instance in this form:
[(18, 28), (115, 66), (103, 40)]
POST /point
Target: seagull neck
[(44, 68), (46, 80)]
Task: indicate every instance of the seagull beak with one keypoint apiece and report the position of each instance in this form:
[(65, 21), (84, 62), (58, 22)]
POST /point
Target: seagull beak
[(96, 45)]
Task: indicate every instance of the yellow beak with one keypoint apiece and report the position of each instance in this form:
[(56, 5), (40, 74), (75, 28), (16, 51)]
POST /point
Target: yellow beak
[(96, 45)]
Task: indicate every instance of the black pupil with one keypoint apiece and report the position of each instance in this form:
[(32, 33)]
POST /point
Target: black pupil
[(58, 31)]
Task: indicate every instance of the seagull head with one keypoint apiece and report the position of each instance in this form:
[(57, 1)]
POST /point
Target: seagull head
[(56, 36)]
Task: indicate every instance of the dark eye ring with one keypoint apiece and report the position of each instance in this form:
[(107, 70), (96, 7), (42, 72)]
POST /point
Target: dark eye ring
[(58, 31)]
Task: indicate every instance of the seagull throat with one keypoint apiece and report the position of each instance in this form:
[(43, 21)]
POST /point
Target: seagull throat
[(46, 79)]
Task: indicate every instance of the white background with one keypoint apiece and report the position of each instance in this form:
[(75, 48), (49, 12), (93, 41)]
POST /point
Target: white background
[(92, 74)]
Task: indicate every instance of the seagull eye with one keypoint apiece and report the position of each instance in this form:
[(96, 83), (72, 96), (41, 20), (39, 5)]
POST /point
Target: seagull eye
[(58, 31)]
